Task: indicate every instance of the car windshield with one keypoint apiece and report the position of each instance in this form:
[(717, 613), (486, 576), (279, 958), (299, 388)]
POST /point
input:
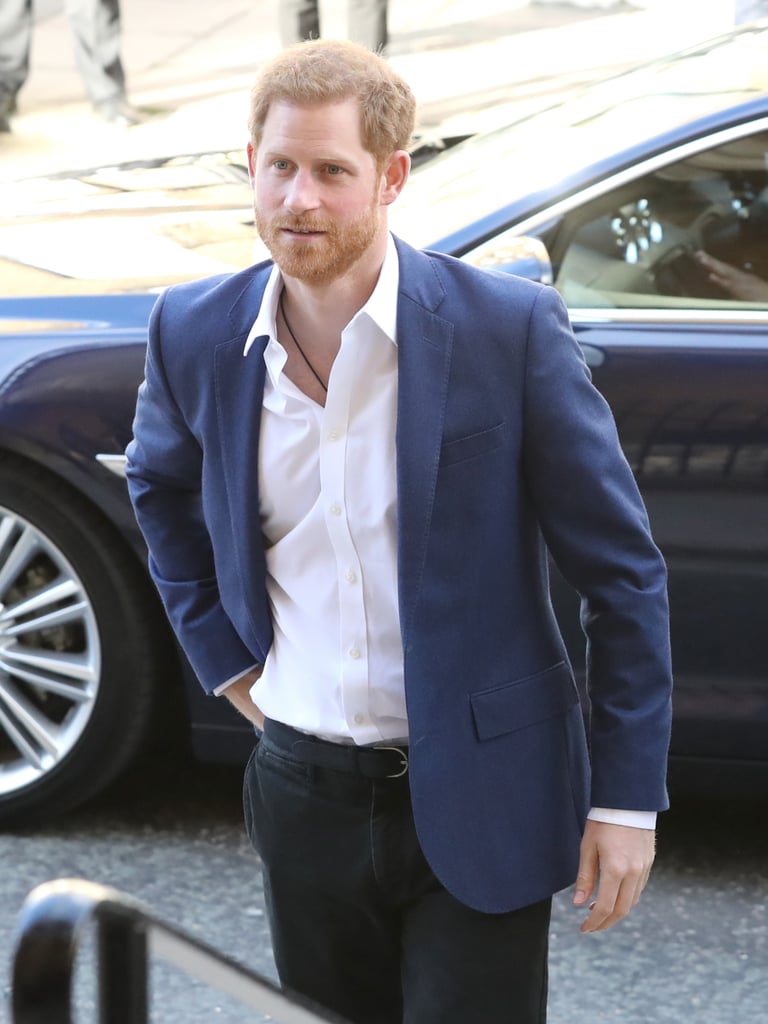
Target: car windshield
[(466, 183)]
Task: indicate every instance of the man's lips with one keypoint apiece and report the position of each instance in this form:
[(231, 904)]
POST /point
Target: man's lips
[(302, 232)]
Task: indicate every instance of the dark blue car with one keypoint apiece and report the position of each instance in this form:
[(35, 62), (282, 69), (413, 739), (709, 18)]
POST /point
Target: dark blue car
[(643, 200)]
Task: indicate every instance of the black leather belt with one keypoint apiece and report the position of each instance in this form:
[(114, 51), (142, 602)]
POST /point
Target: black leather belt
[(384, 762)]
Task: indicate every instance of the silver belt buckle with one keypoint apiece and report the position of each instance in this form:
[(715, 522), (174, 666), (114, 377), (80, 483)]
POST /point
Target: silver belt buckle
[(403, 763)]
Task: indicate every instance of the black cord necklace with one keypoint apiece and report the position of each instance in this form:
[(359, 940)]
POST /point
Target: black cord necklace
[(295, 341)]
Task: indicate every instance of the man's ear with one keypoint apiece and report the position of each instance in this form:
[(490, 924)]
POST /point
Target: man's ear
[(251, 160), (394, 176)]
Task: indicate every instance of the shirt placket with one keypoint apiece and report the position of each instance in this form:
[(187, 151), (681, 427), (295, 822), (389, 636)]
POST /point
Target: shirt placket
[(338, 492)]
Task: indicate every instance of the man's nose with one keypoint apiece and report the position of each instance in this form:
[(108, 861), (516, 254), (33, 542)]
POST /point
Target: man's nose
[(302, 193)]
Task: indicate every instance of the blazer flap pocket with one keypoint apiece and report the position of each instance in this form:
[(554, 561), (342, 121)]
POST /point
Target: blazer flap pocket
[(472, 445), (523, 702)]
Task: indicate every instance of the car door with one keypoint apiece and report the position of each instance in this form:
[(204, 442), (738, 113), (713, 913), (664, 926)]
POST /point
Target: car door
[(680, 351), (682, 359), (691, 405)]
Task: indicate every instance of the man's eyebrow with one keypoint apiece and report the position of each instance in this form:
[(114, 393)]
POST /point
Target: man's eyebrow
[(322, 158)]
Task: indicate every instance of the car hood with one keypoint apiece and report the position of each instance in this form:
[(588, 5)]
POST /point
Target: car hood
[(129, 228)]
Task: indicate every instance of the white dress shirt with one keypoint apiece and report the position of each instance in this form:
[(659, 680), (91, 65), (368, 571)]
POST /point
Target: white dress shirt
[(328, 506), (329, 520)]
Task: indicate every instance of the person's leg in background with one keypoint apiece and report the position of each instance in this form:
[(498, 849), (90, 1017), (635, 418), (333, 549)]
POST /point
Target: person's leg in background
[(15, 43), (298, 20), (368, 23), (96, 31)]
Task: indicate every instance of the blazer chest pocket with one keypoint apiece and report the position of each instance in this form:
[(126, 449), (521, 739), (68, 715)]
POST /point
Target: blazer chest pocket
[(523, 702), (469, 447)]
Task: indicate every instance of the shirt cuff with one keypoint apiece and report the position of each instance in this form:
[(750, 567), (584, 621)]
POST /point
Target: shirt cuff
[(634, 819), (233, 679)]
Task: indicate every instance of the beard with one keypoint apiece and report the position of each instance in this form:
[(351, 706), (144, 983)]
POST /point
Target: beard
[(319, 261)]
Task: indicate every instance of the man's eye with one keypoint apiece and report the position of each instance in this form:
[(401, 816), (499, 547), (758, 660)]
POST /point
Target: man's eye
[(335, 169), (281, 165)]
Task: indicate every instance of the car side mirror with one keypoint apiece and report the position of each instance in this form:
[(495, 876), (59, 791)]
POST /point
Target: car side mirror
[(522, 255)]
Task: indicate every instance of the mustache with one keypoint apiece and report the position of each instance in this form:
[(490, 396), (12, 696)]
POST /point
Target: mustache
[(304, 224)]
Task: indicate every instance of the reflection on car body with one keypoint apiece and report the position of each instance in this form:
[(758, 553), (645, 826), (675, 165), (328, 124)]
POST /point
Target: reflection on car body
[(610, 196)]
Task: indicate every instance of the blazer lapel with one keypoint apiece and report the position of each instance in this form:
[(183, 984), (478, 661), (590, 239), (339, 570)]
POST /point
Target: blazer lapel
[(424, 355), (239, 388)]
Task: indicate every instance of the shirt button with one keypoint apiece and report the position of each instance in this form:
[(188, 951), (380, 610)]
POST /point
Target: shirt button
[(349, 576), (335, 510), (354, 653), (334, 435), (359, 718)]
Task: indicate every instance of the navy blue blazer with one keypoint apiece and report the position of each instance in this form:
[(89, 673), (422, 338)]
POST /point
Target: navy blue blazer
[(505, 453)]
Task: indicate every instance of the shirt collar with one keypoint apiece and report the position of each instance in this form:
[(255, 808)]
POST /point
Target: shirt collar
[(381, 307), (264, 324)]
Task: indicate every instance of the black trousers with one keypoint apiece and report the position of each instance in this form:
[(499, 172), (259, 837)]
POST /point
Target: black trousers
[(359, 922)]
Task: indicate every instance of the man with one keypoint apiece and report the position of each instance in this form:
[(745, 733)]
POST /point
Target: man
[(349, 465), (96, 36)]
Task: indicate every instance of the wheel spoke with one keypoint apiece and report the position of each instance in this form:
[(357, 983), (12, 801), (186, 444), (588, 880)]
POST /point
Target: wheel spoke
[(7, 527), (20, 741), (46, 597), (21, 552), (58, 617), (78, 694), (27, 718), (56, 663)]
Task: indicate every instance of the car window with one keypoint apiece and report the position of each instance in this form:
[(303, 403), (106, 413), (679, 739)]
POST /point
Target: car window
[(537, 153), (691, 233)]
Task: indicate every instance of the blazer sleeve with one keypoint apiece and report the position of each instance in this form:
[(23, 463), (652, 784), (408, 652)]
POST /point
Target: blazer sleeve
[(164, 471), (596, 528)]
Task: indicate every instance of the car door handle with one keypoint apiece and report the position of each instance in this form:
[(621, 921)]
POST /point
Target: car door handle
[(593, 356)]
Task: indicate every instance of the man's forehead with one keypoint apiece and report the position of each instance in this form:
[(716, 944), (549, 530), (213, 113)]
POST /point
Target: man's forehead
[(335, 125), (346, 109)]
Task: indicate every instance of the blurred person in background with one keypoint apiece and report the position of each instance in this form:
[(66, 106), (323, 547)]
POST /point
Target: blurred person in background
[(367, 22), (96, 32)]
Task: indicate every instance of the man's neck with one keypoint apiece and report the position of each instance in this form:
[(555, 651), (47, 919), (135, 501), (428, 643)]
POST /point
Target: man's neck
[(335, 302)]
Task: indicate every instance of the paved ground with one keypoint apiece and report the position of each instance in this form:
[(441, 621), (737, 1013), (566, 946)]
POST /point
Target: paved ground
[(192, 61)]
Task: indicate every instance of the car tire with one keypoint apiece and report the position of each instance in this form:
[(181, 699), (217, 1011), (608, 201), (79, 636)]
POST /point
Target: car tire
[(79, 623)]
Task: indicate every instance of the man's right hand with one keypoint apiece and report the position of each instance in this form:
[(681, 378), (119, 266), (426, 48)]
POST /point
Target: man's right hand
[(237, 694)]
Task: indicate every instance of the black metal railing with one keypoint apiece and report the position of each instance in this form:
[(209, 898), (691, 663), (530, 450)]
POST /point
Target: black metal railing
[(55, 918)]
